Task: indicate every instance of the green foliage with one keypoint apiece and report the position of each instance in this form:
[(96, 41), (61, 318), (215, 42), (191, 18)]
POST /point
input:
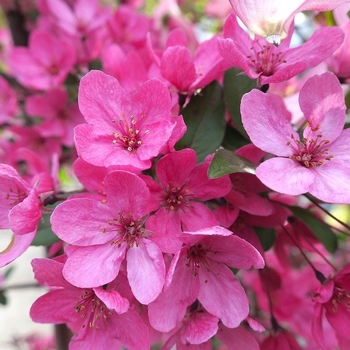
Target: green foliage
[(236, 85), (205, 119), (3, 299), (45, 236), (267, 237), (320, 229), (226, 162), (233, 139)]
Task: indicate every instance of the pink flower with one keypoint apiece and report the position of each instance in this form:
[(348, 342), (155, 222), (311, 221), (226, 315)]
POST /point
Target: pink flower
[(273, 18), (282, 340), (80, 20), (8, 102), (105, 234), (20, 211), (317, 163), (182, 189), (200, 271), (187, 73), (339, 61), (122, 129), (58, 117), (270, 64), (99, 317), (332, 299), (45, 63), (197, 328)]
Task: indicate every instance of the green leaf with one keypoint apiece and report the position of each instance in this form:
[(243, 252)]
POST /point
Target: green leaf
[(233, 139), (45, 236), (267, 237), (205, 120), (236, 85), (9, 271), (3, 299), (321, 230), (226, 162)]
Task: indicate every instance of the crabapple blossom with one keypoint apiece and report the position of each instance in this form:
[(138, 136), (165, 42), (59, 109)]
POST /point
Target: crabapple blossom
[(58, 117), (123, 129), (183, 186), (8, 101), (270, 64), (45, 64), (104, 234), (200, 271), (338, 62), (273, 18), (20, 211), (332, 299), (100, 318), (187, 73), (318, 162)]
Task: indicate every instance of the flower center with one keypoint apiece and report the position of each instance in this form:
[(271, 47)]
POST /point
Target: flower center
[(265, 58), (15, 196), (53, 69), (310, 152), (129, 230), (196, 256), (176, 197), (93, 310), (128, 136), (340, 296)]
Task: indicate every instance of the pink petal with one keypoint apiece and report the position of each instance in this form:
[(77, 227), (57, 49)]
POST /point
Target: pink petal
[(234, 251), (48, 272), (204, 188), (102, 99), (130, 330), (176, 167), (166, 227), (127, 193), (152, 100), (56, 306), (113, 300), (18, 245), (237, 338), (177, 66), (196, 217), (146, 270), (331, 183), (24, 217), (266, 121), (322, 102), (232, 54), (94, 266), (339, 320), (232, 305), (286, 176), (200, 328), (89, 224), (170, 307), (98, 148)]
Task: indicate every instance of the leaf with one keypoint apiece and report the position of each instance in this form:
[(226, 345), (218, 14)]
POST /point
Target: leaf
[(45, 236), (3, 299), (267, 237), (226, 162), (205, 120), (9, 271), (236, 85), (233, 139), (321, 230)]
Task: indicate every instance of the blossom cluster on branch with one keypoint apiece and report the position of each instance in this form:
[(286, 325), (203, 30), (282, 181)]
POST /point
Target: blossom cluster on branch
[(182, 187)]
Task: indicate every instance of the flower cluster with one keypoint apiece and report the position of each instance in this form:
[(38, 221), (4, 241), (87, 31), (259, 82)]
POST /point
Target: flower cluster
[(181, 185)]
